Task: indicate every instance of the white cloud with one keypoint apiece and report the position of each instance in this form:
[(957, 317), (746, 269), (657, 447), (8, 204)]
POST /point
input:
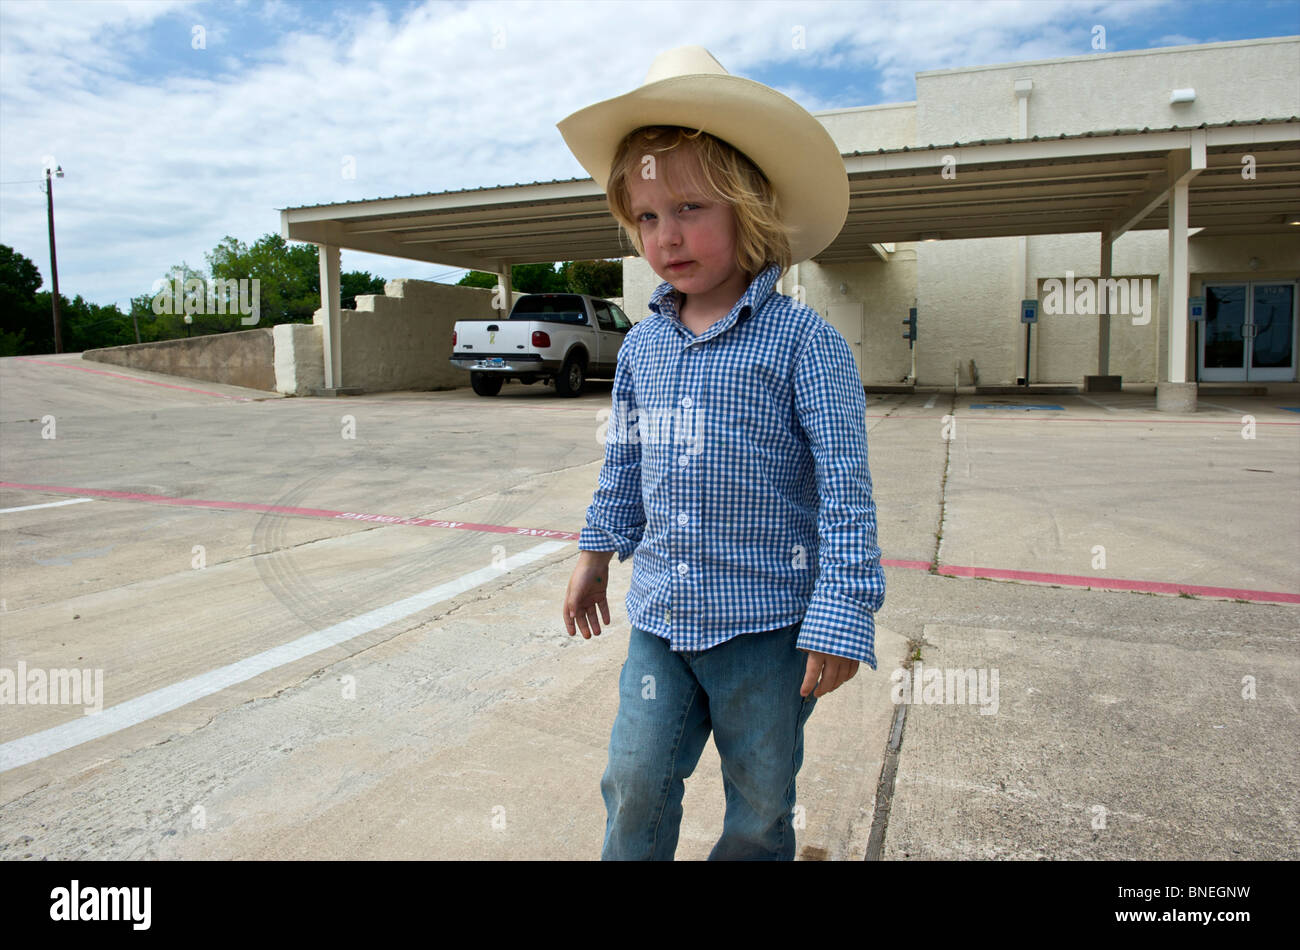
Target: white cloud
[(42, 43), (166, 152)]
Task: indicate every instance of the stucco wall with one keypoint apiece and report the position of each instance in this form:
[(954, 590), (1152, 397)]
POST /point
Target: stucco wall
[(402, 339), (242, 358), (299, 358), (967, 299), (868, 128), (398, 340), (1065, 345), (967, 292), (1249, 79), (639, 282), (885, 290)]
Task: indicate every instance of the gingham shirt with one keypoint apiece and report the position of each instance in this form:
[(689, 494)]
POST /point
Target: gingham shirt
[(736, 471)]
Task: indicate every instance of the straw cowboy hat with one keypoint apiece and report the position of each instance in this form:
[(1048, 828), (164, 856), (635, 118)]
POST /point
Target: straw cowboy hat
[(688, 87)]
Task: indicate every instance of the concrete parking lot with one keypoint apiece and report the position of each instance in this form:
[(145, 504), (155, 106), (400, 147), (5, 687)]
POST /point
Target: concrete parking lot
[(332, 629)]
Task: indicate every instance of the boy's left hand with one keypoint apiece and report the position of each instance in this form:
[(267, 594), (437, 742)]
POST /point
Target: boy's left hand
[(833, 670)]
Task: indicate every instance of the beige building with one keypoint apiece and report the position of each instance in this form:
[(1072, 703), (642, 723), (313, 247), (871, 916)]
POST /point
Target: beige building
[(967, 290), (1112, 189)]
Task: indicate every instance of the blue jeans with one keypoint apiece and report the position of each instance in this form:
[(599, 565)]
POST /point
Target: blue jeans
[(747, 691)]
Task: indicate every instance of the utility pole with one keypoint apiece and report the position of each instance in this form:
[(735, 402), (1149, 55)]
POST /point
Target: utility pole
[(54, 261)]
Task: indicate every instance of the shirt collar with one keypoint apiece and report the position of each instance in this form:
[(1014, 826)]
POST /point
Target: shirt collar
[(664, 300)]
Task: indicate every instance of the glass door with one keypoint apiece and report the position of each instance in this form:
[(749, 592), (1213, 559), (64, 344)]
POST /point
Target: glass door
[(1272, 331), (1249, 333), (1223, 334)]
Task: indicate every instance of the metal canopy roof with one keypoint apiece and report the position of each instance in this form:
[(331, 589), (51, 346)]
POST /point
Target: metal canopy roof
[(1094, 182)]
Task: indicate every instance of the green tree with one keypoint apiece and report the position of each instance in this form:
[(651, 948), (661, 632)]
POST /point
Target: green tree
[(524, 279), (87, 326), (537, 279), (481, 278), (288, 291), (357, 283), (24, 328), (27, 316), (170, 324), (596, 278), (288, 277)]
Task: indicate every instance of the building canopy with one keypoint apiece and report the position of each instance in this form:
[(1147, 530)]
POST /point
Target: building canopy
[(1244, 179)]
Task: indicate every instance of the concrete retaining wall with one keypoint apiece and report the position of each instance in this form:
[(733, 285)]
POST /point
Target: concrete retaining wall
[(402, 339), (243, 358), (398, 340), (299, 359)]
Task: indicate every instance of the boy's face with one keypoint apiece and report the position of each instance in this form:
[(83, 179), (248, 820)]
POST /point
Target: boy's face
[(689, 240)]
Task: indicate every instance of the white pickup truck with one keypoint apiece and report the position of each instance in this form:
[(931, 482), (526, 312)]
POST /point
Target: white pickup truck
[(564, 338)]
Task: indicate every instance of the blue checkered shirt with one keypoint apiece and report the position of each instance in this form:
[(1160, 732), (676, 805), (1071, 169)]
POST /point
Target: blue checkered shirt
[(736, 471)]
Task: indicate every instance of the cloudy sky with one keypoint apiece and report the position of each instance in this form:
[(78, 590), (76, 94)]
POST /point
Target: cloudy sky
[(177, 123)]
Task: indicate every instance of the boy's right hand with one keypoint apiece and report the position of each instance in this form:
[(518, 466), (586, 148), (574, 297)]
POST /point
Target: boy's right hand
[(587, 592)]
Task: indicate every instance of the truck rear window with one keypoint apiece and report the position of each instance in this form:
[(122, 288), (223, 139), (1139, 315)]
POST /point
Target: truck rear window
[(557, 308)]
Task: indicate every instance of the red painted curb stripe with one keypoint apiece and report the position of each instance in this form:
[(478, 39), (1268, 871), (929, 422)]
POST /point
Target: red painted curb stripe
[(1112, 583), (134, 379), (1067, 580), (1100, 583), (1030, 417), (910, 565), (292, 510)]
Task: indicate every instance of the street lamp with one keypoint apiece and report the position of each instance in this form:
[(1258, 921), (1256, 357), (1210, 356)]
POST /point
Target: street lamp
[(54, 261)]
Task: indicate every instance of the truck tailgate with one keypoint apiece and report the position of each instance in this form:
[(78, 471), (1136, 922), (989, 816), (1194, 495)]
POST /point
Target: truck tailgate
[(486, 338)]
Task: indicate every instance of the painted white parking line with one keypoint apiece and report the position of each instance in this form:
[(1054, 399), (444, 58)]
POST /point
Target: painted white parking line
[(48, 504), (1094, 402), (134, 711), (930, 403), (1215, 405)]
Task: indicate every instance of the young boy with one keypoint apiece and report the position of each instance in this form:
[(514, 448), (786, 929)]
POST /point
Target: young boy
[(736, 458)]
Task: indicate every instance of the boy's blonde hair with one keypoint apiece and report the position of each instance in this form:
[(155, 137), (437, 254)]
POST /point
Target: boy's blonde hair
[(762, 237)]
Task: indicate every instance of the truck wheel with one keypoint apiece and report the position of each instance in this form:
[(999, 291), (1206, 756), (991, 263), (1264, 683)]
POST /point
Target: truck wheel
[(572, 378), (485, 384)]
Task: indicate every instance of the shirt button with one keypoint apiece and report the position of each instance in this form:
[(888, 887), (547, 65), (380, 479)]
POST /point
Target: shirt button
[(686, 402), (683, 518), (684, 460), (682, 568)]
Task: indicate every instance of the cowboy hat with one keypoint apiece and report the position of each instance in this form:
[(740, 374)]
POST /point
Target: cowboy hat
[(688, 87)]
